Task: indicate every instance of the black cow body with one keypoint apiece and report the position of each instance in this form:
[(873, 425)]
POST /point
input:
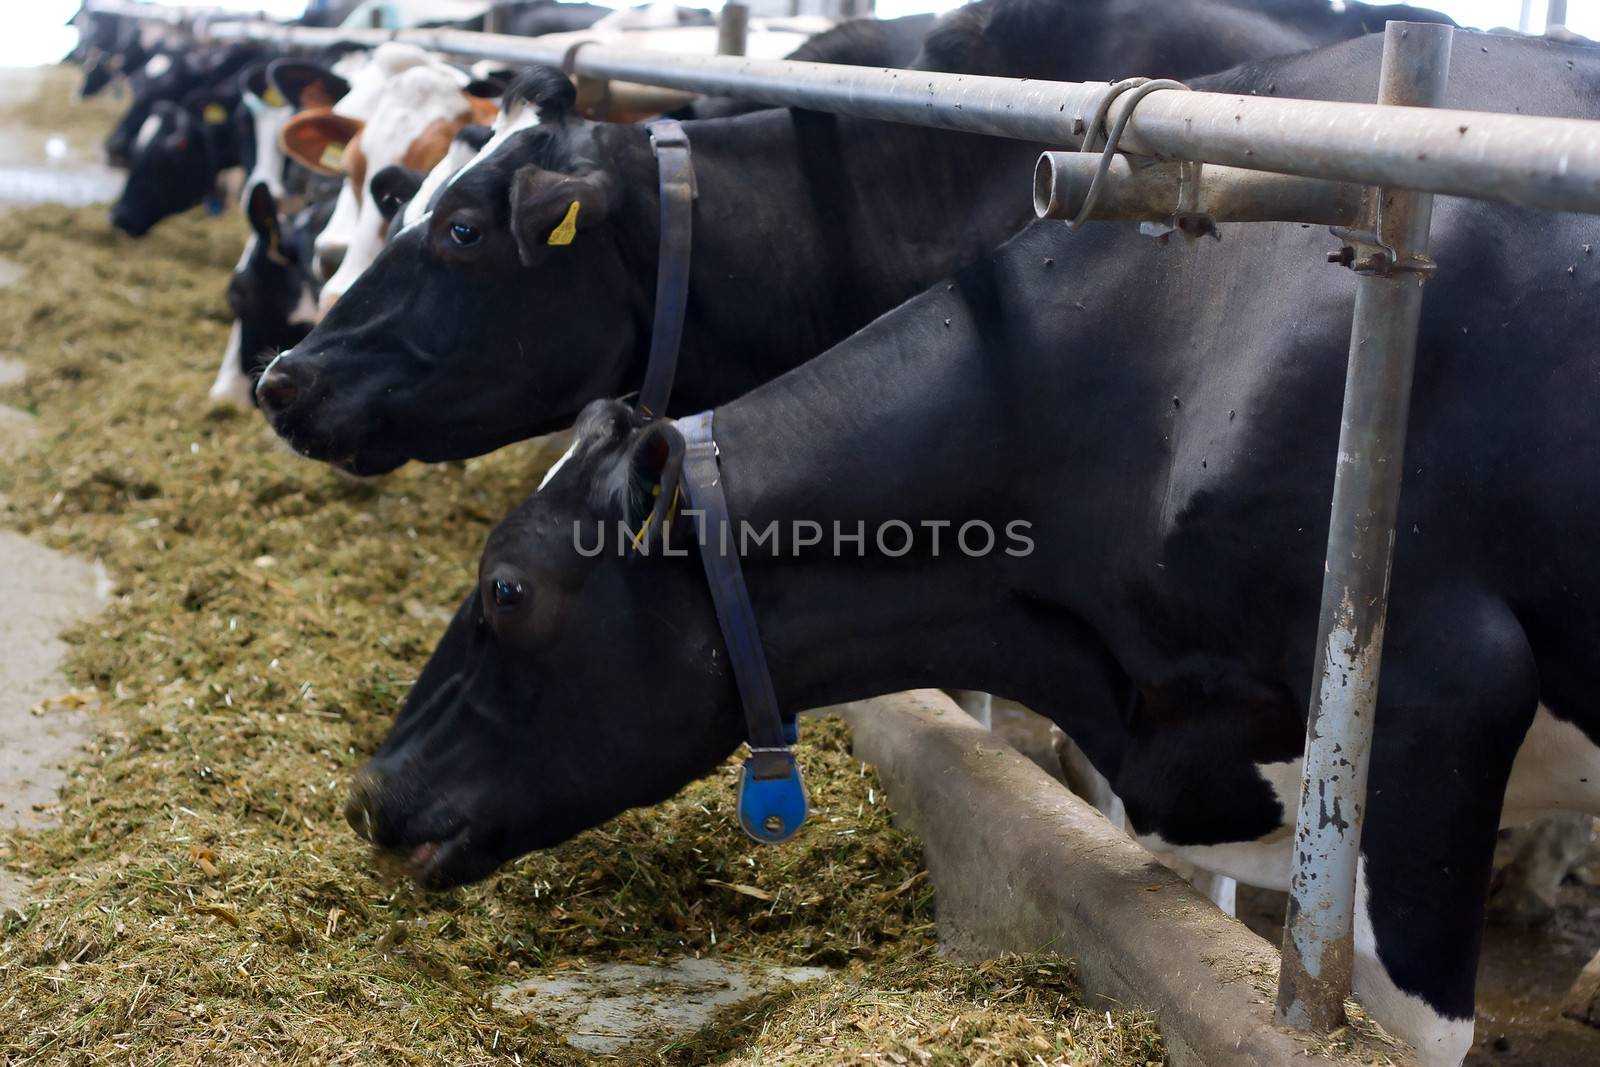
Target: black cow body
[(806, 226), (863, 42), (1164, 419), (531, 18)]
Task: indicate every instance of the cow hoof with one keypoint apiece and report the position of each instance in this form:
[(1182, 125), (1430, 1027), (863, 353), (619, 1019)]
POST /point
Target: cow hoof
[(233, 394)]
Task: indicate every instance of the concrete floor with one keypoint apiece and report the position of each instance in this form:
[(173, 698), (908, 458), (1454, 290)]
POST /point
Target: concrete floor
[(42, 592)]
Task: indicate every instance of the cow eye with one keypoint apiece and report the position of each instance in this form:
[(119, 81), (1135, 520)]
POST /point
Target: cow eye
[(507, 594), (464, 235)]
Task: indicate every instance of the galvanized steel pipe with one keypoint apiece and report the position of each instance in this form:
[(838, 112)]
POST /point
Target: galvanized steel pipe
[(1538, 162), (1150, 191), (1317, 946)]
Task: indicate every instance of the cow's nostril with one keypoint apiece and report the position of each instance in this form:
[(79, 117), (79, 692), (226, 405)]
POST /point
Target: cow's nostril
[(277, 390), (358, 808)]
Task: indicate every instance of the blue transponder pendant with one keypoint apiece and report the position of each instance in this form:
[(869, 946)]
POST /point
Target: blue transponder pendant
[(214, 205), (772, 810)]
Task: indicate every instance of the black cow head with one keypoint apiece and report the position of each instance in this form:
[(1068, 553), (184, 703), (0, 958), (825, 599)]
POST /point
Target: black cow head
[(568, 688), (177, 157), (163, 78), (518, 256), (271, 292)]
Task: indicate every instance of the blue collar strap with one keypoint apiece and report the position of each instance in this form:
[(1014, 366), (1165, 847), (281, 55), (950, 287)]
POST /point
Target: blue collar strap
[(772, 798), (675, 172)]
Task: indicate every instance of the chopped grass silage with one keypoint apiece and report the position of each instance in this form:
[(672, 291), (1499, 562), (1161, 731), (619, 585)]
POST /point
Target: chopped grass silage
[(202, 900)]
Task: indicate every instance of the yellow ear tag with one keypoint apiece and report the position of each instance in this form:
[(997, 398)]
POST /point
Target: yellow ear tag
[(564, 233), (273, 98), (332, 157), (215, 115)]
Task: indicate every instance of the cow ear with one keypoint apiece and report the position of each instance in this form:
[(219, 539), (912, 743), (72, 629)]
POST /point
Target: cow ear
[(654, 458), (317, 139), (475, 137), (548, 90), (393, 187), (550, 208), (262, 209), (254, 81), (305, 85)]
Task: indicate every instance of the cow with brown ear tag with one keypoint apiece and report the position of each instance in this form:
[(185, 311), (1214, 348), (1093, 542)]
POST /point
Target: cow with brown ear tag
[(319, 139), (549, 208)]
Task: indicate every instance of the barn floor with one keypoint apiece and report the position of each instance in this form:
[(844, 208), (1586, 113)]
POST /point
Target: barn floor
[(201, 899), (1523, 974)]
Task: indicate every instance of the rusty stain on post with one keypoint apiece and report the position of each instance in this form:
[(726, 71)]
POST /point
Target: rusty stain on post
[(1391, 249)]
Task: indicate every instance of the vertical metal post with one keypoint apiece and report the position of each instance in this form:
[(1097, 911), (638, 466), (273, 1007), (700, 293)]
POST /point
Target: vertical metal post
[(733, 29), (494, 19), (1556, 18), (1391, 253)]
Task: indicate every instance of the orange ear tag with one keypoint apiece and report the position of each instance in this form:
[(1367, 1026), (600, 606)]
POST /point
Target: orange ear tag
[(564, 233)]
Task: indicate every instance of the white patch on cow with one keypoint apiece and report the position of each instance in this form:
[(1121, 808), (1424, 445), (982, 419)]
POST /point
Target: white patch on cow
[(335, 237), (232, 385), (460, 155), (369, 85), (423, 221), (269, 122), (158, 65), (1556, 769), (562, 462), (305, 312), (351, 64), (411, 102), (147, 133), (244, 257), (1263, 862), (520, 116), (1439, 1041), (1219, 889)]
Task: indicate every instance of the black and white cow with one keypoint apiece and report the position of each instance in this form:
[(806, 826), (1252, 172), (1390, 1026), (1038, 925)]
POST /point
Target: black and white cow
[(272, 293), (171, 77), (1164, 421), (466, 333), (179, 159)]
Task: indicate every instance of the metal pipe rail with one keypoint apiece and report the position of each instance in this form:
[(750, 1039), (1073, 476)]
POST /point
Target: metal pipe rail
[(173, 14), (1536, 162)]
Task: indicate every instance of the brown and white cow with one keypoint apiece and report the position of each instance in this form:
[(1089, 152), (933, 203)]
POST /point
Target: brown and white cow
[(407, 115)]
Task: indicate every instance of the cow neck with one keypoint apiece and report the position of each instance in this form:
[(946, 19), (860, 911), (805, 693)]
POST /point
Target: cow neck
[(847, 437), (788, 205)]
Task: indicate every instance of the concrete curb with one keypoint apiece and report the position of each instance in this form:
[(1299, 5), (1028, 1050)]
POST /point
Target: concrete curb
[(1022, 865)]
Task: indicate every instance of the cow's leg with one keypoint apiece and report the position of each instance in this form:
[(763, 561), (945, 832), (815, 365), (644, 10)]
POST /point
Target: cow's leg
[(1455, 701), (232, 385), (1542, 852), (979, 705)]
